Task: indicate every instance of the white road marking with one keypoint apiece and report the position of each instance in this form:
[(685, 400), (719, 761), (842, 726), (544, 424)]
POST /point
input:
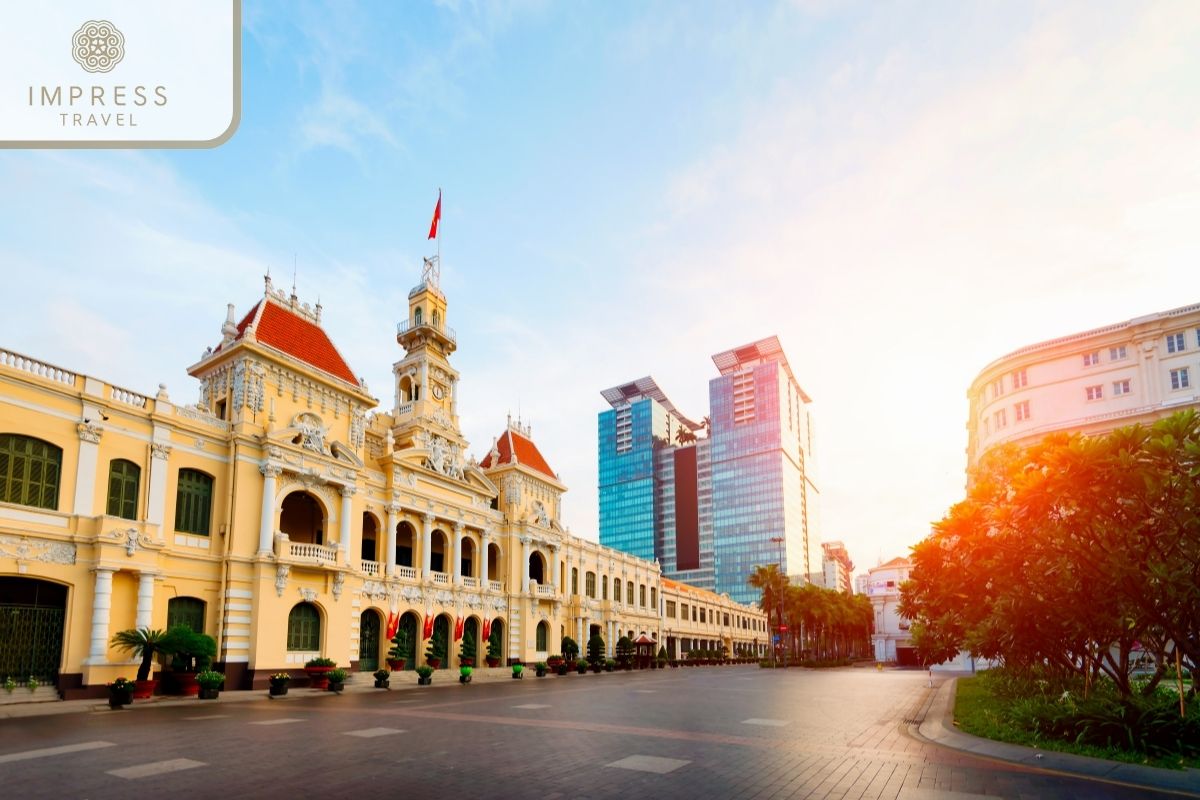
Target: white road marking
[(770, 723), (532, 705), (210, 716), (655, 764), (54, 751), (282, 721), (156, 768), (645, 691), (370, 733)]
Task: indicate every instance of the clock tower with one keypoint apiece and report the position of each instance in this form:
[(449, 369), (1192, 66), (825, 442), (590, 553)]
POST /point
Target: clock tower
[(426, 385)]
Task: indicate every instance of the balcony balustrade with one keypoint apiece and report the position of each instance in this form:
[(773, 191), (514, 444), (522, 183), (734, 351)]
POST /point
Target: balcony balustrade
[(371, 568)]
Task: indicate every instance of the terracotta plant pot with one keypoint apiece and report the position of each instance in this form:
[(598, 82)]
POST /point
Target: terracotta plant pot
[(318, 677), (144, 690), (185, 683), (436, 663), (492, 662), (396, 664)]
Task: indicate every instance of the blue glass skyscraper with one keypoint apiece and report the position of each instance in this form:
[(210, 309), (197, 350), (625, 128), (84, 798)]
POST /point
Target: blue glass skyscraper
[(713, 508)]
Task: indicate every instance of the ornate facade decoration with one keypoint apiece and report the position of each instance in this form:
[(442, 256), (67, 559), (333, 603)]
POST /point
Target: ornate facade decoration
[(160, 450), (89, 432), (129, 537), (23, 548), (309, 595), (339, 582), (281, 578), (312, 432), (357, 428)]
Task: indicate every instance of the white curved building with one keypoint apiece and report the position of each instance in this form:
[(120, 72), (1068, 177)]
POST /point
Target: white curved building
[(1135, 371)]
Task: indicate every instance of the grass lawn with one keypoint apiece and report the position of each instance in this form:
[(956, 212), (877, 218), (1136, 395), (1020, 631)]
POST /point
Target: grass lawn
[(978, 712)]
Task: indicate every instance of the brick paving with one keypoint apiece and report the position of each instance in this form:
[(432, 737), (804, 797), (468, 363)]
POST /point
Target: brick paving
[(843, 736)]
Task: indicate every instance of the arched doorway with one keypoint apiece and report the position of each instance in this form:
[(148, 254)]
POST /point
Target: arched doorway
[(32, 623), (438, 558), (408, 635), (404, 545), (537, 568), (495, 646), (368, 641), (439, 645), (370, 537), (302, 518), (467, 562), (542, 639)]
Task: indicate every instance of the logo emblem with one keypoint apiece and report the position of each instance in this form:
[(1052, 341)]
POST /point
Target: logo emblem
[(98, 46)]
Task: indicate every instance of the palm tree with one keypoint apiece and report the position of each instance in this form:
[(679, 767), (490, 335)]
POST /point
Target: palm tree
[(142, 642), (773, 584), (684, 436)]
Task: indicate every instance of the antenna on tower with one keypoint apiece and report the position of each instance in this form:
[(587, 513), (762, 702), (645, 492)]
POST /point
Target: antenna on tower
[(293, 277)]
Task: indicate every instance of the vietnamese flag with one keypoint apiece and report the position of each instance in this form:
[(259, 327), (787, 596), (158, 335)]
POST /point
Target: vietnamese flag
[(487, 629), (428, 631), (393, 625), (458, 629), (437, 217)]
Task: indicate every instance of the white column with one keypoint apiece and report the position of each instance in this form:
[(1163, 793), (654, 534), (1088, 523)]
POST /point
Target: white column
[(156, 494), (486, 540), (85, 469), (524, 564), (101, 605), (554, 568), (458, 537), (266, 522), (426, 545), (145, 599), (612, 638), (580, 639), (347, 493), (393, 520)]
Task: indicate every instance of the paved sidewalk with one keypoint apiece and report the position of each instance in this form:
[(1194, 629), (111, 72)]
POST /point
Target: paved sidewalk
[(938, 727), (359, 682)]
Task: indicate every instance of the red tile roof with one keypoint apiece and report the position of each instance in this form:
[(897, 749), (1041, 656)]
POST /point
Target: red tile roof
[(527, 453), (290, 333)]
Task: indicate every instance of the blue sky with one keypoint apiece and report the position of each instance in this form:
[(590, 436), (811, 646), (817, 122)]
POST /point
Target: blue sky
[(901, 191)]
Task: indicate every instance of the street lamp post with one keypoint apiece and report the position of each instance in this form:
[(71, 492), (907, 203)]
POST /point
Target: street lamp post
[(782, 571)]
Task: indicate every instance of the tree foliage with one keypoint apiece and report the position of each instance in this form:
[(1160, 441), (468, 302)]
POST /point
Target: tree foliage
[(1069, 555)]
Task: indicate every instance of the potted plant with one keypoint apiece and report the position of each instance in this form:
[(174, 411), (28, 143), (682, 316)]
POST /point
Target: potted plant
[(210, 684), (464, 673), (143, 643), (662, 658), (382, 677), (401, 651), (120, 693), (494, 649), (609, 664), (517, 670), (563, 667), (424, 675), (436, 649), (337, 680), (192, 652), (540, 668), (581, 666), (570, 649), (317, 670), (554, 661), (595, 653), (625, 650), (466, 651), (279, 684)]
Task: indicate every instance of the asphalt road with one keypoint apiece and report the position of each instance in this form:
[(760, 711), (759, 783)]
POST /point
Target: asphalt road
[(728, 732)]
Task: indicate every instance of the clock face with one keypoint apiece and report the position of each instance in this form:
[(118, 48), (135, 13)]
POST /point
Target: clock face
[(437, 392)]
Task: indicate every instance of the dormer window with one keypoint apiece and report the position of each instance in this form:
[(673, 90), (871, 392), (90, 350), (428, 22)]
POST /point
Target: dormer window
[(417, 317)]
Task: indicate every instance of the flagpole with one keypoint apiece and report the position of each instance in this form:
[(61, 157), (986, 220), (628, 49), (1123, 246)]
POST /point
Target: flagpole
[(439, 243)]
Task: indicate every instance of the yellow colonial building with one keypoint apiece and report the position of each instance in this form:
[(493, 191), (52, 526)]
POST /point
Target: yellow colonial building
[(285, 518)]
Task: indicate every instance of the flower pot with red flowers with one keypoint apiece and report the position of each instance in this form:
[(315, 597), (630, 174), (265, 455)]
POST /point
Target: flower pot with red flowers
[(317, 670), (120, 693)]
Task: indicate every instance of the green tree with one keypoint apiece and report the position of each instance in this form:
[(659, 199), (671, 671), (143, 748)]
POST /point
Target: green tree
[(143, 643)]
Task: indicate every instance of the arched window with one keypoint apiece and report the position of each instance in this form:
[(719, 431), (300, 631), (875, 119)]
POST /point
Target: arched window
[(304, 629), (604, 587), (123, 479), (629, 593), (574, 580), (29, 471), (654, 599), (193, 502), (186, 611), (417, 319), (589, 584), (543, 635), (617, 589), (642, 595)]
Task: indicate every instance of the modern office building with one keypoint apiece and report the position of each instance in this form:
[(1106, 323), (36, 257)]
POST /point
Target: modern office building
[(1091, 382), (837, 568), (712, 508)]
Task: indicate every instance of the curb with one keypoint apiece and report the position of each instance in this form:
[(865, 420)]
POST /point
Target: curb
[(938, 728)]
